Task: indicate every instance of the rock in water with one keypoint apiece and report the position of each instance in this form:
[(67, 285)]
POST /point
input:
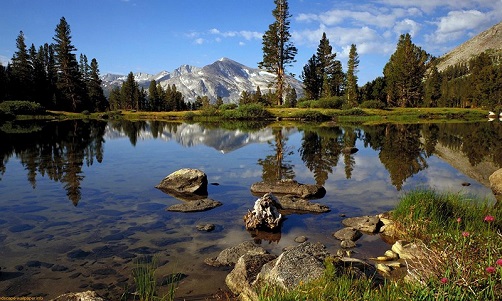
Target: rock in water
[(288, 186), (264, 215), (185, 181)]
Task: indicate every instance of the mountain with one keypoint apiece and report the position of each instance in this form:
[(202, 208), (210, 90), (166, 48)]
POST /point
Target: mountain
[(225, 78), (488, 39)]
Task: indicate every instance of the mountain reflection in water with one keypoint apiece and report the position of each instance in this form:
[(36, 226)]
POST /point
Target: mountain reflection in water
[(108, 170)]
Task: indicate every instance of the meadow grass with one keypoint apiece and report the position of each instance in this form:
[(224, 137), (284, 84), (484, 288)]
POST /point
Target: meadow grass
[(463, 256)]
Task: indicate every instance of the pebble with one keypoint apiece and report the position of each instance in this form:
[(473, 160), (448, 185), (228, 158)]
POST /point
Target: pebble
[(301, 239)]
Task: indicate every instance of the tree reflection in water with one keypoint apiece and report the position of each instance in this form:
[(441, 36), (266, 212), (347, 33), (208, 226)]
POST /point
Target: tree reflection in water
[(57, 150)]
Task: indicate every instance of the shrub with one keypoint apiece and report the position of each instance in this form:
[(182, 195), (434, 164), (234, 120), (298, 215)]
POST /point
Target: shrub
[(312, 116), (189, 115), (373, 104), (248, 111), (20, 107), (228, 106)]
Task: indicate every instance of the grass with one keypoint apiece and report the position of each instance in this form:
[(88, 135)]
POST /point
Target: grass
[(254, 112), (145, 281), (463, 247)]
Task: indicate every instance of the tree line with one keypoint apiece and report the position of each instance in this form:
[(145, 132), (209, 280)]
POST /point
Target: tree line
[(52, 76)]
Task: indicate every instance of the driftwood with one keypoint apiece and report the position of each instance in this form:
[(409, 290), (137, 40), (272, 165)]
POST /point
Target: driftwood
[(264, 215)]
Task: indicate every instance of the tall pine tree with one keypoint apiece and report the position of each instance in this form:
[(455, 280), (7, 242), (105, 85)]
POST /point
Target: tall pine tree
[(70, 86), (404, 74), (21, 75), (278, 50), (312, 80), (96, 96), (351, 89)]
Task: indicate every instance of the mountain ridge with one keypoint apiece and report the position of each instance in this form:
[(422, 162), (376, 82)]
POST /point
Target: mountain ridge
[(488, 39), (224, 77)]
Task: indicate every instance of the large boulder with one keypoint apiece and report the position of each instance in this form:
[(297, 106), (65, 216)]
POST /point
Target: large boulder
[(302, 263), (185, 181), (496, 184), (348, 233), (195, 206), (264, 215), (292, 202), (246, 269), (229, 256), (289, 187)]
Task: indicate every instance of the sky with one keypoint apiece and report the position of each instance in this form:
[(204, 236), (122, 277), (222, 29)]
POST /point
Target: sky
[(151, 36)]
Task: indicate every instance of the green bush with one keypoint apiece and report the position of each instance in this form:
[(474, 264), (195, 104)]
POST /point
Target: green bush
[(372, 104), (189, 115), (20, 107), (312, 116), (228, 106), (248, 111)]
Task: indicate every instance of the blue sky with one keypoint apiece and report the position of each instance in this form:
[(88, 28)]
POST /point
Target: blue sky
[(151, 36)]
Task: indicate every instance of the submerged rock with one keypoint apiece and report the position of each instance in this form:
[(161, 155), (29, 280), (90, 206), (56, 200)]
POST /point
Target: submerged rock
[(185, 181), (291, 202), (194, 206), (289, 187), (348, 233)]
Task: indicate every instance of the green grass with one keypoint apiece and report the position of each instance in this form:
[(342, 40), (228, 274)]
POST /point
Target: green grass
[(463, 247), (145, 280)]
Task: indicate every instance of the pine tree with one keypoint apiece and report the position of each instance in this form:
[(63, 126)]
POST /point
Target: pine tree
[(70, 86), (4, 83), (404, 74), (312, 80), (21, 80), (433, 88), (352, 65), (278, 51), (115, 99), (96, 96), (328, 67), (129, 93), (219, 102), (153, 96), (50, 67), (291, 97)]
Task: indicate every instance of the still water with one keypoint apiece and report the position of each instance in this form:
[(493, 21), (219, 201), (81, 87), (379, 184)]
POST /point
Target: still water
[(78, 205)]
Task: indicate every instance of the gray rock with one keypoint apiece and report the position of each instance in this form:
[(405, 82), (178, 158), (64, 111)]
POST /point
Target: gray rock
[(246, 269), (194, 206), (205, 227), (289, 187), (302, 263), (348, 233), (369, 224), (230, 255), (496, 184), (292, 202), (185, 181)]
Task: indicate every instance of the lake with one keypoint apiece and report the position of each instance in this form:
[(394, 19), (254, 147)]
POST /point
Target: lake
[(78, 206)]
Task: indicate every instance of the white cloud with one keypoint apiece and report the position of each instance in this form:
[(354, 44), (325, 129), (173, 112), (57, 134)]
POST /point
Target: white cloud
[(457, 24), (407, 26), (246, 34), (242, 43), (199, 41), (366, 39)]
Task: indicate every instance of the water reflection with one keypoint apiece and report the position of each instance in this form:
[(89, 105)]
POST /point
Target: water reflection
[(58, 150)]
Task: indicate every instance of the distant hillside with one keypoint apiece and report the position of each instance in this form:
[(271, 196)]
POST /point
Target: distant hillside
[(488, 39), (225, 78)]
